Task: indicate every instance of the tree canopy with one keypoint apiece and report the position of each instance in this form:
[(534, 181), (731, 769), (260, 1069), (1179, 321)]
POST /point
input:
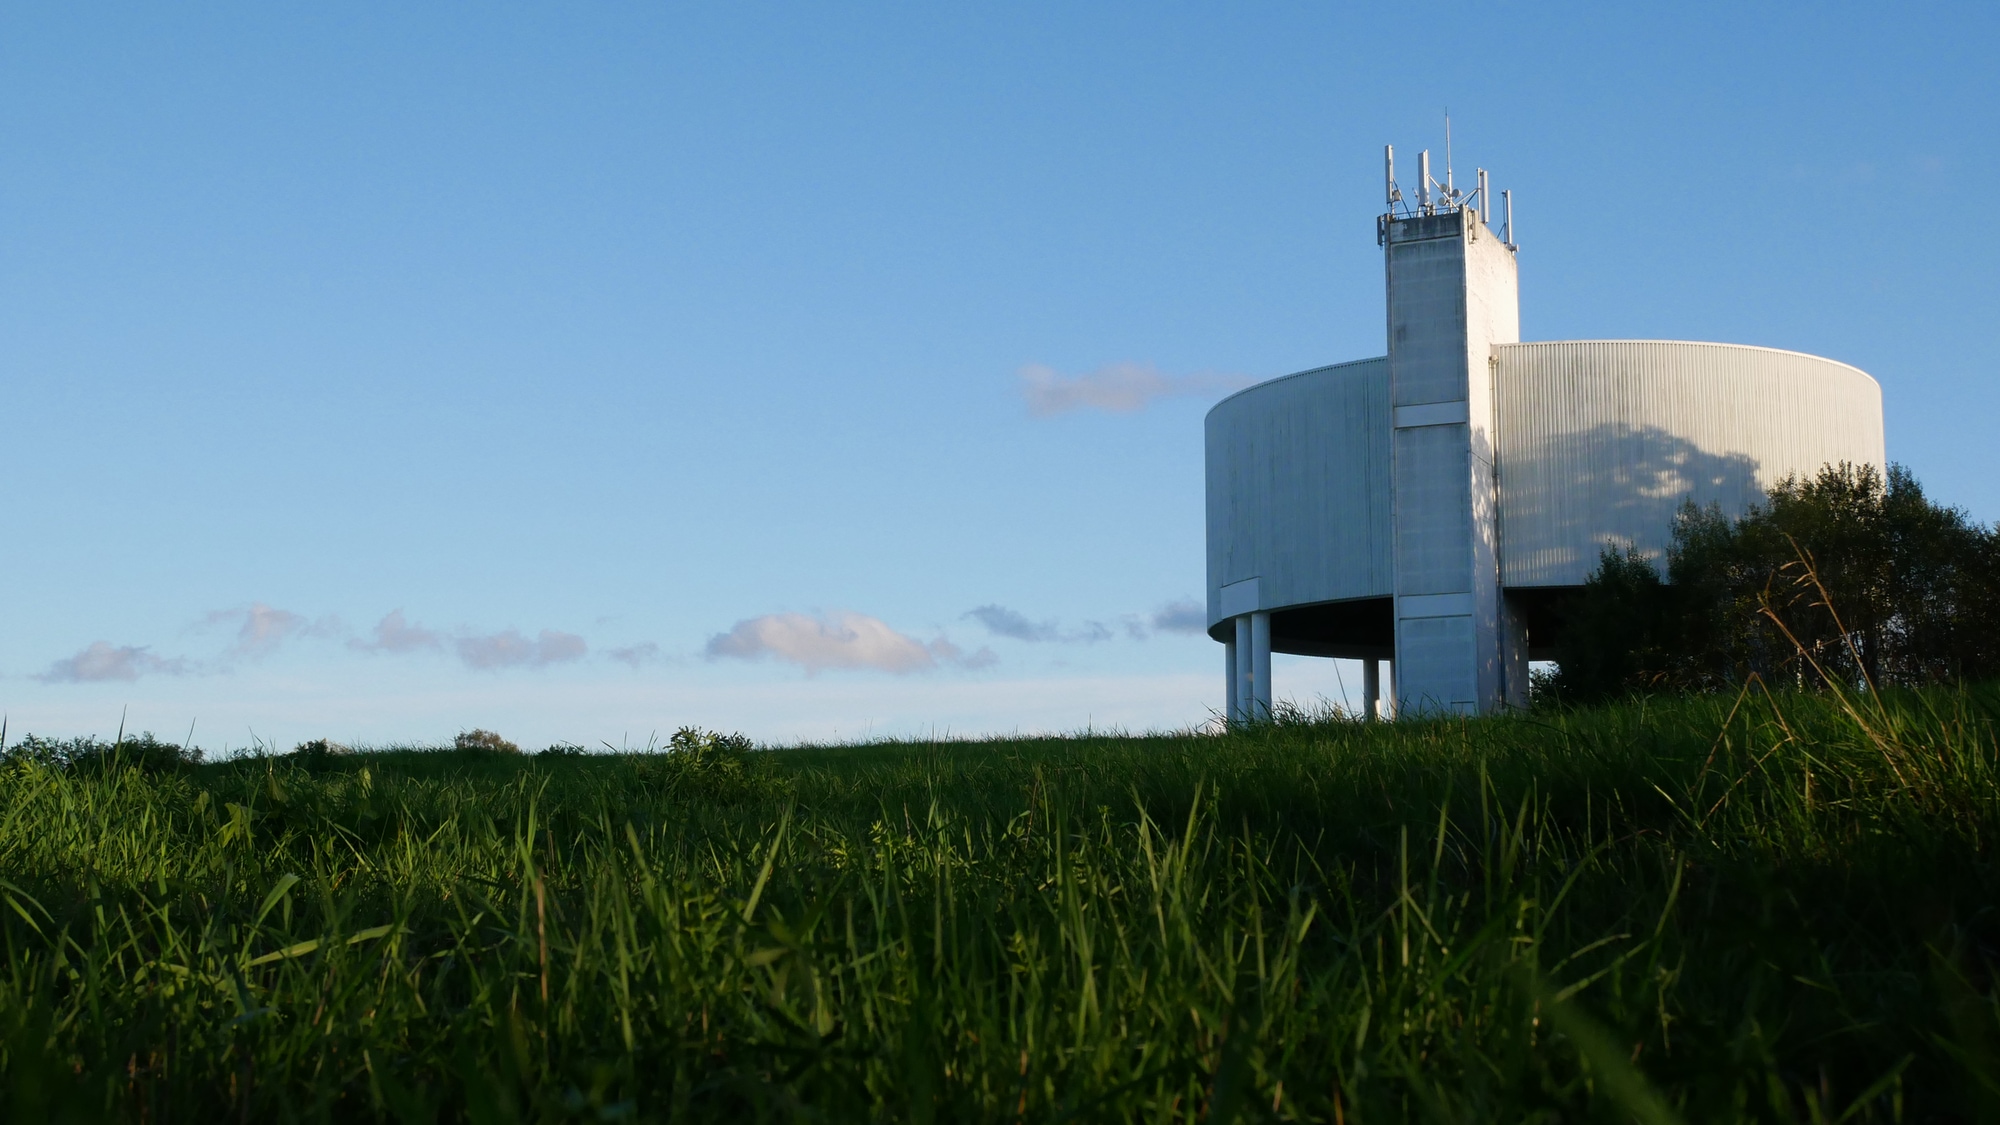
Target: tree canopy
[(1848, 576)]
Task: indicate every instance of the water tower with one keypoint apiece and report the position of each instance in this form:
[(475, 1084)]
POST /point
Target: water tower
[(1430, 507)]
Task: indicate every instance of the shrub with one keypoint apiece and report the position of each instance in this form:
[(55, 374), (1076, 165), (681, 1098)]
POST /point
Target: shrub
[(484, 742)]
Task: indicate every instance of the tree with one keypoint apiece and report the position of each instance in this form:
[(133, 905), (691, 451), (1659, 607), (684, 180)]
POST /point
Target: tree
[(1847, 574), (1620, 634)]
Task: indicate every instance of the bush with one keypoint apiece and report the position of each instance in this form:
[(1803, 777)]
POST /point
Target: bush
[(317, 755), (484, 742), (709, 749), (142, 752), (711, 766), (562, 750)]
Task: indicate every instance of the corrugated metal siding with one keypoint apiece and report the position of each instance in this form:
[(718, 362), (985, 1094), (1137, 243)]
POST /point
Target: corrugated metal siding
[(1601, 440), (1298, 486)]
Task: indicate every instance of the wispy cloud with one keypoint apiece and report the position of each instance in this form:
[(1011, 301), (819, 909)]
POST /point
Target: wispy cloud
[(102, 661), (637, 655), (395, 634), (948, 653), (1183, 616), (1119, 388), (840, 640), (1015, 625), (1004, 622), (510, 649), (260, 629)]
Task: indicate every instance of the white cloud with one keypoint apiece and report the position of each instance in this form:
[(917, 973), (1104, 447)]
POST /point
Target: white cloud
[(1119, 388), (395, 634), (841, 640), (510, 649), (101, 662), (1183, 616)]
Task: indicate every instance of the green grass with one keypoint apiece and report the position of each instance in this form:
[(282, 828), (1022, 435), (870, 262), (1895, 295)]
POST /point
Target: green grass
[(1705, 910)]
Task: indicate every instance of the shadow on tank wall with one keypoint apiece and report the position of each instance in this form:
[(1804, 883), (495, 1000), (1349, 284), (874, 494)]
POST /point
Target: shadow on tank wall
[(1565, 498)]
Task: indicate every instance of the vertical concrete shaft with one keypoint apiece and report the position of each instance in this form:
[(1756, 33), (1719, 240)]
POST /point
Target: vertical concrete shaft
[(1260, 666), (1371, 689), (1232, 704), (1452, 295), (1245, 685)]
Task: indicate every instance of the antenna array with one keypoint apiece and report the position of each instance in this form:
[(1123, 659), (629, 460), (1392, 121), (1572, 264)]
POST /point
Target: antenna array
[(1435, 198)]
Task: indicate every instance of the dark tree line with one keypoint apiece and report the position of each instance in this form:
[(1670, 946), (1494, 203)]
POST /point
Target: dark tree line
[(1845, 576)]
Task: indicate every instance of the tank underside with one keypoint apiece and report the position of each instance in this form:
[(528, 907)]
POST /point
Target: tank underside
[(1365, 628)]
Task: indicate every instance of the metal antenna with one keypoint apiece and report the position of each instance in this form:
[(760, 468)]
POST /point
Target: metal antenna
[(1424, 180), (1389, 176), (1485, 208), (1507, 231), (1447, 153)]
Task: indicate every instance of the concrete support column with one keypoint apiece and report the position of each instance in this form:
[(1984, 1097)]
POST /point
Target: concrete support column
[(1260, 666), (1513, 655), (1246, 692), (1232, 698), (1371, 689)]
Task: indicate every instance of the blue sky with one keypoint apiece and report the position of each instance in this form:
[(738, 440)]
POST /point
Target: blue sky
[(582, 372)]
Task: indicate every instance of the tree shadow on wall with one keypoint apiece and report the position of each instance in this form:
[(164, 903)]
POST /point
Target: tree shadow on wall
[(1564, 499)]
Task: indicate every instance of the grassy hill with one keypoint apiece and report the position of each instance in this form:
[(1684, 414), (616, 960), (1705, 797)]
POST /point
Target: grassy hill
[(1747, 908)]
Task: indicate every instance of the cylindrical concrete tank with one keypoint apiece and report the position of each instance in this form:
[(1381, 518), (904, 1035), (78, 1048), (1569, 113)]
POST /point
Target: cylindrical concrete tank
[(1298, 493), (1596, 442)]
